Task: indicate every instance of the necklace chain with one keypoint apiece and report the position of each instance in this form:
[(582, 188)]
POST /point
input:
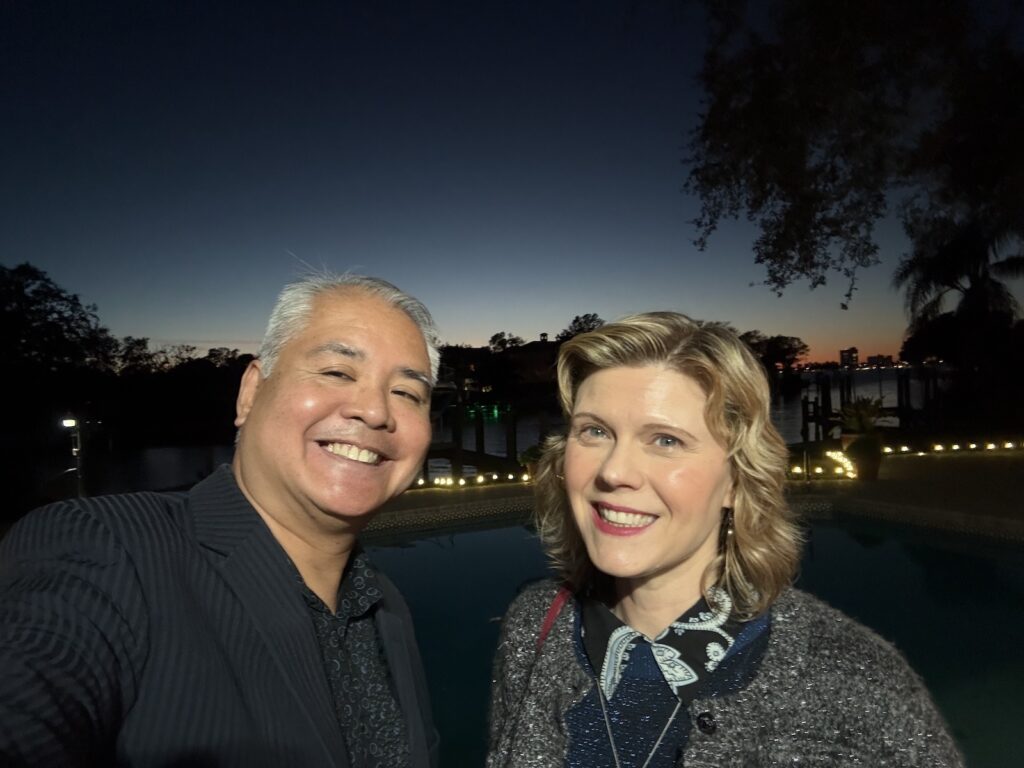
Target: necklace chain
[(611, 739)]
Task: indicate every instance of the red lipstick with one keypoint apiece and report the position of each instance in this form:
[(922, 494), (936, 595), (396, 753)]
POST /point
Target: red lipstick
[(617, 530)]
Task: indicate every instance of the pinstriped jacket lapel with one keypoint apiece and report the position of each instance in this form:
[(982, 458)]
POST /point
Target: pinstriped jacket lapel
[(261, 576)]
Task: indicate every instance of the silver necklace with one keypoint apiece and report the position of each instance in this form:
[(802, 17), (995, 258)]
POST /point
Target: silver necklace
[(611, 739)]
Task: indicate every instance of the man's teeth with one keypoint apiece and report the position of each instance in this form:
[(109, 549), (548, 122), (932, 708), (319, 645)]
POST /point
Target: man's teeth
[(628, 519), (352, 452)]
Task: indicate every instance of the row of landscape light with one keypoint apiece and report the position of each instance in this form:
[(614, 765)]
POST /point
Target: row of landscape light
[(480, 480), (846, 468), (940, 447)]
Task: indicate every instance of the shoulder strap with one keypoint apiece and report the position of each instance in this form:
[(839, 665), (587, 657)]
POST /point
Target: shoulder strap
[(557, 603)]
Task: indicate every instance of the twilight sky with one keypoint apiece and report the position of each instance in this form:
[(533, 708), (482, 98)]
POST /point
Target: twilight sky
[(512, 163)]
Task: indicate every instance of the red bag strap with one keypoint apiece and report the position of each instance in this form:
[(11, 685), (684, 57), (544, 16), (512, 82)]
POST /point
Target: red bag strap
[(557, 603)]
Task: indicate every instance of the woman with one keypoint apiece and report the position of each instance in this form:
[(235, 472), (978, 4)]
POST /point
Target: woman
[(674, 637)]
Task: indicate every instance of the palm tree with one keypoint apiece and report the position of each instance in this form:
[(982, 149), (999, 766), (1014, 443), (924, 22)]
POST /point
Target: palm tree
[(958, 258)]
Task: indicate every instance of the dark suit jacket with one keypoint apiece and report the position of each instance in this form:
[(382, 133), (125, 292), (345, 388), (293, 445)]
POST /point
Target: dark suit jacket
[(168, 630)]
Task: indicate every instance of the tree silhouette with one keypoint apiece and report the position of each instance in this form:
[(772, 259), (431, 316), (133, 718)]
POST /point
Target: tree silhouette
[(580, 324), (502, 340), (58, 360), (45, 329), (776, 352), (960, 259), (934, 340), (135, 357), (960, 263), (821, 118), (173, 355)]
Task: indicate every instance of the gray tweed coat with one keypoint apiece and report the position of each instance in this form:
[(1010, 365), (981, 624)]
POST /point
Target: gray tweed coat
[(829, 692)]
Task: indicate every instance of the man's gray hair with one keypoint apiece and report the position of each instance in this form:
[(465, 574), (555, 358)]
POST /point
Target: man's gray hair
[(295, 304)]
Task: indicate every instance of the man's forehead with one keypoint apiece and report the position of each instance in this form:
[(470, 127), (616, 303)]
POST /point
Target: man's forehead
[(357, 311), (360, 325)]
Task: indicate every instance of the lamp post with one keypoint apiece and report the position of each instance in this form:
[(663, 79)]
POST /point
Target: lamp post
[(76, 449)]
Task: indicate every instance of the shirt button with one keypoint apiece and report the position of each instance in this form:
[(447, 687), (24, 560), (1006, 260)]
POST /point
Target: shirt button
[(706, 723)]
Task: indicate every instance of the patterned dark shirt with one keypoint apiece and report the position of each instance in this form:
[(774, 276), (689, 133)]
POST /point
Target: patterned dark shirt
[(643, 685), (357, 671)]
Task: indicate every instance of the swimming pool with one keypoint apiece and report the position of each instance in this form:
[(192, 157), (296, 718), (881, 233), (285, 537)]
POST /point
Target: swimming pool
[(952, 604)]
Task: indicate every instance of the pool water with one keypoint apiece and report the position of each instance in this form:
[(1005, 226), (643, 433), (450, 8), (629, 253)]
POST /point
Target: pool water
[(953, 605)]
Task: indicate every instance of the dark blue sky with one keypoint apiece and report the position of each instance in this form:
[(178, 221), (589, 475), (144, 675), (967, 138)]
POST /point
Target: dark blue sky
[(513, 164)]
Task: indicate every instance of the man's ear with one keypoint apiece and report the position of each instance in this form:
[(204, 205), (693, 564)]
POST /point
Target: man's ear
[(247, 389)]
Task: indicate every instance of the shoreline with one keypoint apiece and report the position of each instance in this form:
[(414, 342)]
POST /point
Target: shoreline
[(973, 494)]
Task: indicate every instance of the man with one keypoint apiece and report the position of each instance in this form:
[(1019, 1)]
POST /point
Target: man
[(240, 624)]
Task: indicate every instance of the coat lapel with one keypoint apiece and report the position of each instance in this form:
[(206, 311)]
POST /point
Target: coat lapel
[(263, 578)]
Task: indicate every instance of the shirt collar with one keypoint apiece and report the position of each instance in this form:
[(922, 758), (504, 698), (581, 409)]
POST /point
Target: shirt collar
[(358, 591), (687, 651)]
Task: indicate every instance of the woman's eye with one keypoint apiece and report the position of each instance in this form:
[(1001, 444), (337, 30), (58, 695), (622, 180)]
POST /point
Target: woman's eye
[(666, 441), (591, 432)]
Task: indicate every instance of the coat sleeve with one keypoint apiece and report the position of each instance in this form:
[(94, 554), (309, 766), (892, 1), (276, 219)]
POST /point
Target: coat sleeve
[(900, 725), (513, 661), (499, 687), (73, 633), (864, 702)]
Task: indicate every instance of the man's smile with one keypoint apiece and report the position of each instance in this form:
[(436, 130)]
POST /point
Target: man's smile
[(353, 452)]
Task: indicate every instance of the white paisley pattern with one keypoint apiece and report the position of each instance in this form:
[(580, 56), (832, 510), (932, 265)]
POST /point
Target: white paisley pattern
[(677, 672)]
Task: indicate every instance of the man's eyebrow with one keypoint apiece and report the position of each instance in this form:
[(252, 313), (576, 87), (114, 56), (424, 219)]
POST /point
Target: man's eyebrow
[(420, 376), (337, 348)]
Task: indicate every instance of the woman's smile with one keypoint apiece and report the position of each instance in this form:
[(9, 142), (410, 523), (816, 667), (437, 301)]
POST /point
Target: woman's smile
[(621, 521)]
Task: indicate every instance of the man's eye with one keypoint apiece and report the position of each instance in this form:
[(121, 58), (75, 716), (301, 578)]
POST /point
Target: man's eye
[(338, 374), (409, 395)]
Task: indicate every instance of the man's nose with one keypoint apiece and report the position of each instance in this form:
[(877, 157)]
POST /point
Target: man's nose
[(369, 404)]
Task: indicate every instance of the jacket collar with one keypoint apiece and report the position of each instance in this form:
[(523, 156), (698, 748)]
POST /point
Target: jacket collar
[(222, 517), (259, 572)]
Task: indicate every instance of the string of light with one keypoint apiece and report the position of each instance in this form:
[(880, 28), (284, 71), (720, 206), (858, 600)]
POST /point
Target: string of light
[(839, 466), (461, 482), (843, 466)]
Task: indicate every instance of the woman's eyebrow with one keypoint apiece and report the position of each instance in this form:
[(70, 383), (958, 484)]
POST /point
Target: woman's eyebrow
[(655, 426)]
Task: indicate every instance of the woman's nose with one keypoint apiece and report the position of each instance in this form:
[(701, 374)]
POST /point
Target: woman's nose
[(620, 468)]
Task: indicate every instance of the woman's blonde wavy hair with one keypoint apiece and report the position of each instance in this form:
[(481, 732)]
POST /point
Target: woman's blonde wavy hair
[(759, 559)]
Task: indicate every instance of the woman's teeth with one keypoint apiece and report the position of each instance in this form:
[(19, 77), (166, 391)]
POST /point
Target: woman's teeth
[(626, 519)]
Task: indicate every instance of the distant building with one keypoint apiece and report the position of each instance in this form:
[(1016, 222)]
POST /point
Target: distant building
[(849, 358), (880, 361)]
